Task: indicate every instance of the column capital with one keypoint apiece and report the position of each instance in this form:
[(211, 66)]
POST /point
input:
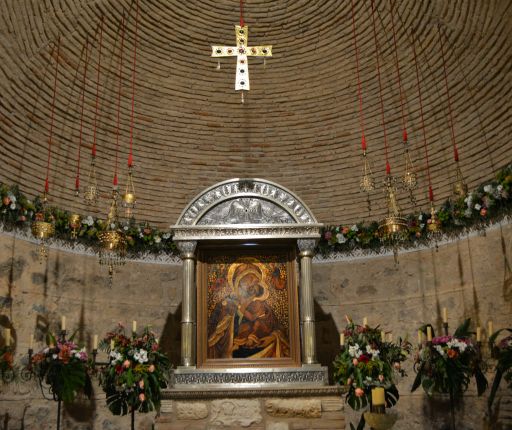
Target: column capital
[(187, 248), (306, 247)]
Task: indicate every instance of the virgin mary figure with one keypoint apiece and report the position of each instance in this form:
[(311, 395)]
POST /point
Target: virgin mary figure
[(243, 324)]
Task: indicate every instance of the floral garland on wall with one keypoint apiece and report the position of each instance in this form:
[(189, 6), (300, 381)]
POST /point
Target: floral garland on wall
[(490, 202)]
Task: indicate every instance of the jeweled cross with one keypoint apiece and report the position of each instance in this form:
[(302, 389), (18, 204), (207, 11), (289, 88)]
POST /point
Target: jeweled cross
[(242, 51)]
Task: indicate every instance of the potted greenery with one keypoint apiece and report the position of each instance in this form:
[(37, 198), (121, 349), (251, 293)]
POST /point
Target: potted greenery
[(367, 361), (135, 374), (502, 352), (446, 364)]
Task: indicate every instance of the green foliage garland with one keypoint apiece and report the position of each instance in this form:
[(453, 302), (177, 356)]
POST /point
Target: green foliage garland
[(489, 202)]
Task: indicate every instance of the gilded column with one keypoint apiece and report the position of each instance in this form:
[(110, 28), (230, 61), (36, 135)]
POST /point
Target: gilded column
[(307, 305), (188, 304)]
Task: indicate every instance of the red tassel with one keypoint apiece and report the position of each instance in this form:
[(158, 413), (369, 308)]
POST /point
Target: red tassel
[(130, 160), (388, 168), (363, 143), (77, 183), (94, 150), (405, 136), (455, 153), (115, 180), (430, 194), (46, 186)]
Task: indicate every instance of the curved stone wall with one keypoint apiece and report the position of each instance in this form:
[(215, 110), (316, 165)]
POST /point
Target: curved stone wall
[(472, 277), (299, 125)]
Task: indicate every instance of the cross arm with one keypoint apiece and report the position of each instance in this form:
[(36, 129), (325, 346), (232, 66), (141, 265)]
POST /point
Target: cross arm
[(259, 51), (224, 51)]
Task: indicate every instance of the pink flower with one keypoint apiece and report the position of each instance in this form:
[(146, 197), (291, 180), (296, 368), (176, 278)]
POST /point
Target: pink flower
[(381, 378), (142, 397), (327, 235), (126, 363), (441, 339), (141, 384), (349, 381), (483, 211), (345, 230), (359, 392), (151, 368), (154, 347), (355, 362), (397, 365)]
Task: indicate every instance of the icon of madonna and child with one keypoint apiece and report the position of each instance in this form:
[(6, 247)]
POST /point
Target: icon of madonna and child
[(248, 310)]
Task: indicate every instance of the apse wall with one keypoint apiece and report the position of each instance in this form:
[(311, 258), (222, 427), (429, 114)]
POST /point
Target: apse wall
[(472, 277)]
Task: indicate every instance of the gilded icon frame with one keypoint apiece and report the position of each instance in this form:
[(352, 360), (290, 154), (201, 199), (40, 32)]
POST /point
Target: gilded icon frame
[(258, 257)]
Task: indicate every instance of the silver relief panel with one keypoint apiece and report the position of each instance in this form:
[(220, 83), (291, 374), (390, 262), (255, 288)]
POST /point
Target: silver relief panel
[(216, 197), (246, 210)]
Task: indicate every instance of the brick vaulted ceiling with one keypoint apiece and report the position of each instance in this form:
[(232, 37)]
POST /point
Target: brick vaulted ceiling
[(299, 126)]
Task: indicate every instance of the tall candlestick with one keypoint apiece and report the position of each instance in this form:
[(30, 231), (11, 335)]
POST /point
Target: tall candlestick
[(365, 322), (95, 342), (134, 326), (342, 339), (63, 323), (7, 334), (445, 315), (489, 328), (31, 342), (478, 334), (429, 334)]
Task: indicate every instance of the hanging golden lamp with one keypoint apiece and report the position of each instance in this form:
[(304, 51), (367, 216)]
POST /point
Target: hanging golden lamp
[(43, 228), (91, 193), (409, 177), (112, 240), (460, 188), (129, 198), (393, 228), (74, 221)]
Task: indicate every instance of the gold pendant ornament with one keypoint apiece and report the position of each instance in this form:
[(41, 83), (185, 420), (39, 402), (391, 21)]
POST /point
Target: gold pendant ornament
[(43, 229)]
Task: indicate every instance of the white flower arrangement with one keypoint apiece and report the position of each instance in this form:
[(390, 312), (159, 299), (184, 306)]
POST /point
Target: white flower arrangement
[(355, 350), (340, 238)]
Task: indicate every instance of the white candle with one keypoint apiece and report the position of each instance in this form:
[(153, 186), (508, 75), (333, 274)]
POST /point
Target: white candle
[(7, 334), (31, 342), (95, 342), (134, 326), (478, 334), (112, 344), (445, 315), (365, 322), (383, 336), (429, 334), (489, 328), (420, 337), (390, 337), (63, 323), (342, 339)]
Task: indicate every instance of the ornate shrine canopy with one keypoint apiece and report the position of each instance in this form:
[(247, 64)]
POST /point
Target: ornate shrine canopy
[(246, 208)]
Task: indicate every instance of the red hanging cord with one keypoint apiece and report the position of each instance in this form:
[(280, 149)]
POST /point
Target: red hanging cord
[(93, 151), (84, 78), (399, 79), (47, 181), (455, 150), (114, 182), (359, 92), (130, 156), (388, 167), (420, 97), (242, 22)]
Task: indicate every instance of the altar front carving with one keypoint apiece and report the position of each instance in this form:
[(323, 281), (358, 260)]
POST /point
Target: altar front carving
[(247, 302)]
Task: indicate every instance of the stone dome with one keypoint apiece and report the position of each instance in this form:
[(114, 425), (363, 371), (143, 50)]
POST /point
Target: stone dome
[(299, 125)]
